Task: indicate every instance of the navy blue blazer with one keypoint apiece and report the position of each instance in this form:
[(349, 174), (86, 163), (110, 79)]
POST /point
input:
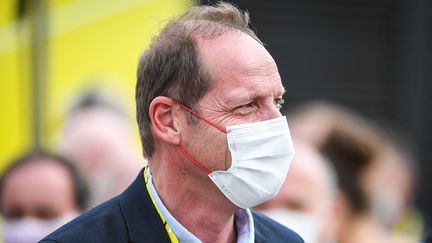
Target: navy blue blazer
[(132, 217)]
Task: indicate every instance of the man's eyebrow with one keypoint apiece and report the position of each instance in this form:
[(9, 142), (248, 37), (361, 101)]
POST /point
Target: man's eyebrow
[(241, 96)]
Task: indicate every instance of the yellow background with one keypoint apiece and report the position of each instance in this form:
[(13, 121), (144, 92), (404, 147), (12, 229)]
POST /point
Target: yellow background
[(90, 42)]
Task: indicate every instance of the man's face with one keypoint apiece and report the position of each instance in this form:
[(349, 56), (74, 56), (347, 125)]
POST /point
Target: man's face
[(42, 189), (247, 89)]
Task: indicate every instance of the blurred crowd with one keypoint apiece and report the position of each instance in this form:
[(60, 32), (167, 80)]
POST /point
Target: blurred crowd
[(96, 158), (351, 179)]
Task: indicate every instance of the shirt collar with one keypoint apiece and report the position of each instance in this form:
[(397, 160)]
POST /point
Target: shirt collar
[(243, 221)]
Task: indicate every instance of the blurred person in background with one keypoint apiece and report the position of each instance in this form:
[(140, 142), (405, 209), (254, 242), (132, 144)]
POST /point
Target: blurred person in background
[(352, 156), (391, 184), (312, 121), (97, 136), (375, 171), (39, 193), (307, 200)]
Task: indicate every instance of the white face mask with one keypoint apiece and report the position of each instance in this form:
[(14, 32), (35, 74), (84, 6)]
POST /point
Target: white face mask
[(306, 225), (30, 229), (261, 155)]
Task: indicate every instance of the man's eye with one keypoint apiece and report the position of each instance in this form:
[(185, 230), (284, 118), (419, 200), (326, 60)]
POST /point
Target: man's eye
[(245, 109), (14, 213), (249, 105)]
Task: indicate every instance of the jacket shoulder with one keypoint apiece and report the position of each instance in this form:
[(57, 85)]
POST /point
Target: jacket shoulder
[(268, 230), (103, 223)]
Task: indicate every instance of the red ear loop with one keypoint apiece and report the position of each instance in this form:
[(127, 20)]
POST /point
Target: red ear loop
[(199, 116), (193, 160), (184, 150)]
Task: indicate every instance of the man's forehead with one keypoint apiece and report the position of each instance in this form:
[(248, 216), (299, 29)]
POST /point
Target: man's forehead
[(232, 48), (232, 45)]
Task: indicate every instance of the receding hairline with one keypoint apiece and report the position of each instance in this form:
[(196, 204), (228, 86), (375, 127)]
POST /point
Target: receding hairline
[(209, 22)]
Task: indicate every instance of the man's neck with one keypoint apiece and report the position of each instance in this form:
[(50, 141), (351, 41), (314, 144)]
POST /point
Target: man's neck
[(198, 206)]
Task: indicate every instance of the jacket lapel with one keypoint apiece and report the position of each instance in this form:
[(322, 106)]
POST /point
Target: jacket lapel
[(142, 219)]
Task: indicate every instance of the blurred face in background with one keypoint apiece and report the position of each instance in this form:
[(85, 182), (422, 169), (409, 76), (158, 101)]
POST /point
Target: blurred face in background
[(305, 202), (100, 142), (36, 199), (389, 182), (96, 138)]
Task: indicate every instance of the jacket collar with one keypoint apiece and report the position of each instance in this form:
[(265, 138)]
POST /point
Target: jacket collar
[(142, 219)]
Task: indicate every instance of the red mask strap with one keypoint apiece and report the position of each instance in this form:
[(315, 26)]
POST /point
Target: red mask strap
[(193, 160), (199, 116)]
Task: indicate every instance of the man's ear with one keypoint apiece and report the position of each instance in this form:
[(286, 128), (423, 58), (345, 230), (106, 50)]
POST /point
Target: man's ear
[(162, 120)]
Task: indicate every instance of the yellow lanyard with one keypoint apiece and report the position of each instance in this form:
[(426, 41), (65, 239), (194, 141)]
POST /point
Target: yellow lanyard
[(171, 234)]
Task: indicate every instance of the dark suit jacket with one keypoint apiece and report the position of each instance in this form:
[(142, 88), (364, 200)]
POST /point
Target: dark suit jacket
[(132, 217)]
